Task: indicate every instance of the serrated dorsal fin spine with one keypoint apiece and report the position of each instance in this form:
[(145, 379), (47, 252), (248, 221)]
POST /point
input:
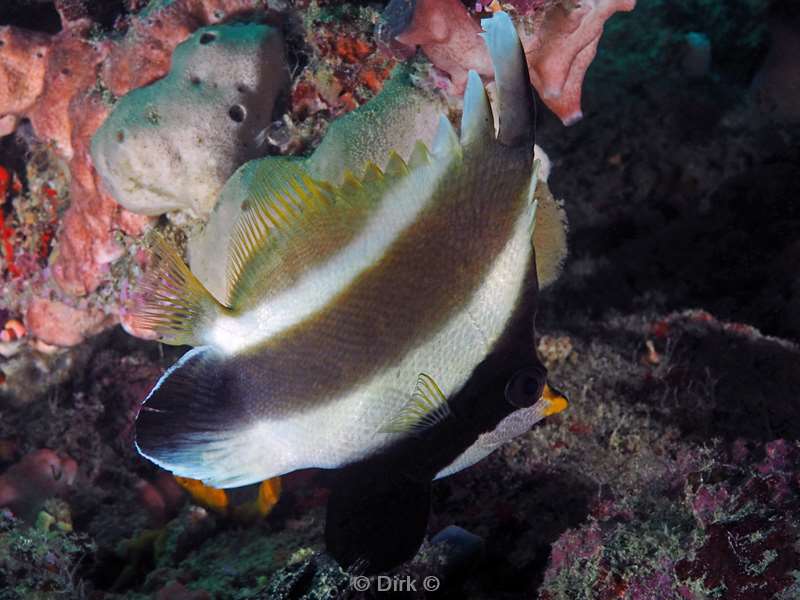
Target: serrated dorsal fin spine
[(419, 156), (372, 173), (477, 121), (396, 167), (446, 142), (515, 108)]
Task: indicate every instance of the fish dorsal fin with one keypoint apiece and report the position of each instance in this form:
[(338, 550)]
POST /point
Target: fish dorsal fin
[(426, 407), (445, 142), (351, 184), (171, 302), (281, 197), (515, 106), (291, 221), (396, 166), (477, 121), (419, 156), (371, 173)]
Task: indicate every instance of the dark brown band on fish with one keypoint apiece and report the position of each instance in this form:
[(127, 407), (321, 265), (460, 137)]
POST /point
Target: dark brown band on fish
[(269, 256), (303, 366)]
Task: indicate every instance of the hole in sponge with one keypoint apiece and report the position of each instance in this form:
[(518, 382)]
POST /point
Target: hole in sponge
[(207, 38), (237, 113)]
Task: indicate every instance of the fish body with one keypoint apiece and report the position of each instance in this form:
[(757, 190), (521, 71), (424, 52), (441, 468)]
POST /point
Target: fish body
[(370, 324)]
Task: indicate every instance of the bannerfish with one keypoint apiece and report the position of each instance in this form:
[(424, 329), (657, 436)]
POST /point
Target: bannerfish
[(382, 326)]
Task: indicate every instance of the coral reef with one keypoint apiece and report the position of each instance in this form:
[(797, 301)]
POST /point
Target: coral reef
[(723, 524), (560, 50), (45, 319), (447, 34), (38, 563), (345, 68)]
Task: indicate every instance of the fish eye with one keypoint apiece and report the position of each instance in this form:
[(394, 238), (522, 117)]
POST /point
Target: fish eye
[(526, 386)]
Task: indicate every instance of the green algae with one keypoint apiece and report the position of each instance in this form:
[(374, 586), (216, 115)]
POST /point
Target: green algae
[(40, 563), (234, 565)]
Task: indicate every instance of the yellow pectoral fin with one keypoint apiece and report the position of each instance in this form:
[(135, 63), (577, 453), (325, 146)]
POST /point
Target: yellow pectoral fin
[(427, 407), (555, 401), (206, 496)]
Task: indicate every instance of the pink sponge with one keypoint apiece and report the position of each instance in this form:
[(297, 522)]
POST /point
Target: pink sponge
[(449, 38), (560, 42), (560, 51)]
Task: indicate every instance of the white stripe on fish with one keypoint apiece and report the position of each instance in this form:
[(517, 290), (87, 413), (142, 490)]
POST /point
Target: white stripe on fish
[(318, 285)]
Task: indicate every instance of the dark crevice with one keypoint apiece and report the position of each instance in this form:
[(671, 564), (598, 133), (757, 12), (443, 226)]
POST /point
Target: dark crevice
[(39, 16)]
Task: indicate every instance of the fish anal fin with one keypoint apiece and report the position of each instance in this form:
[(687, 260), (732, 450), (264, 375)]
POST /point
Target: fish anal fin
[(426, 408), (269, 492)]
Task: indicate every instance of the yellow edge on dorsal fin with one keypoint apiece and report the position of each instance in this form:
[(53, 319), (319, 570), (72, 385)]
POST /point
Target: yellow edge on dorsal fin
[(285, 204), (350, 184), (396, 166), (372, 173), (281, 195), (419, 156), (426, 407)]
